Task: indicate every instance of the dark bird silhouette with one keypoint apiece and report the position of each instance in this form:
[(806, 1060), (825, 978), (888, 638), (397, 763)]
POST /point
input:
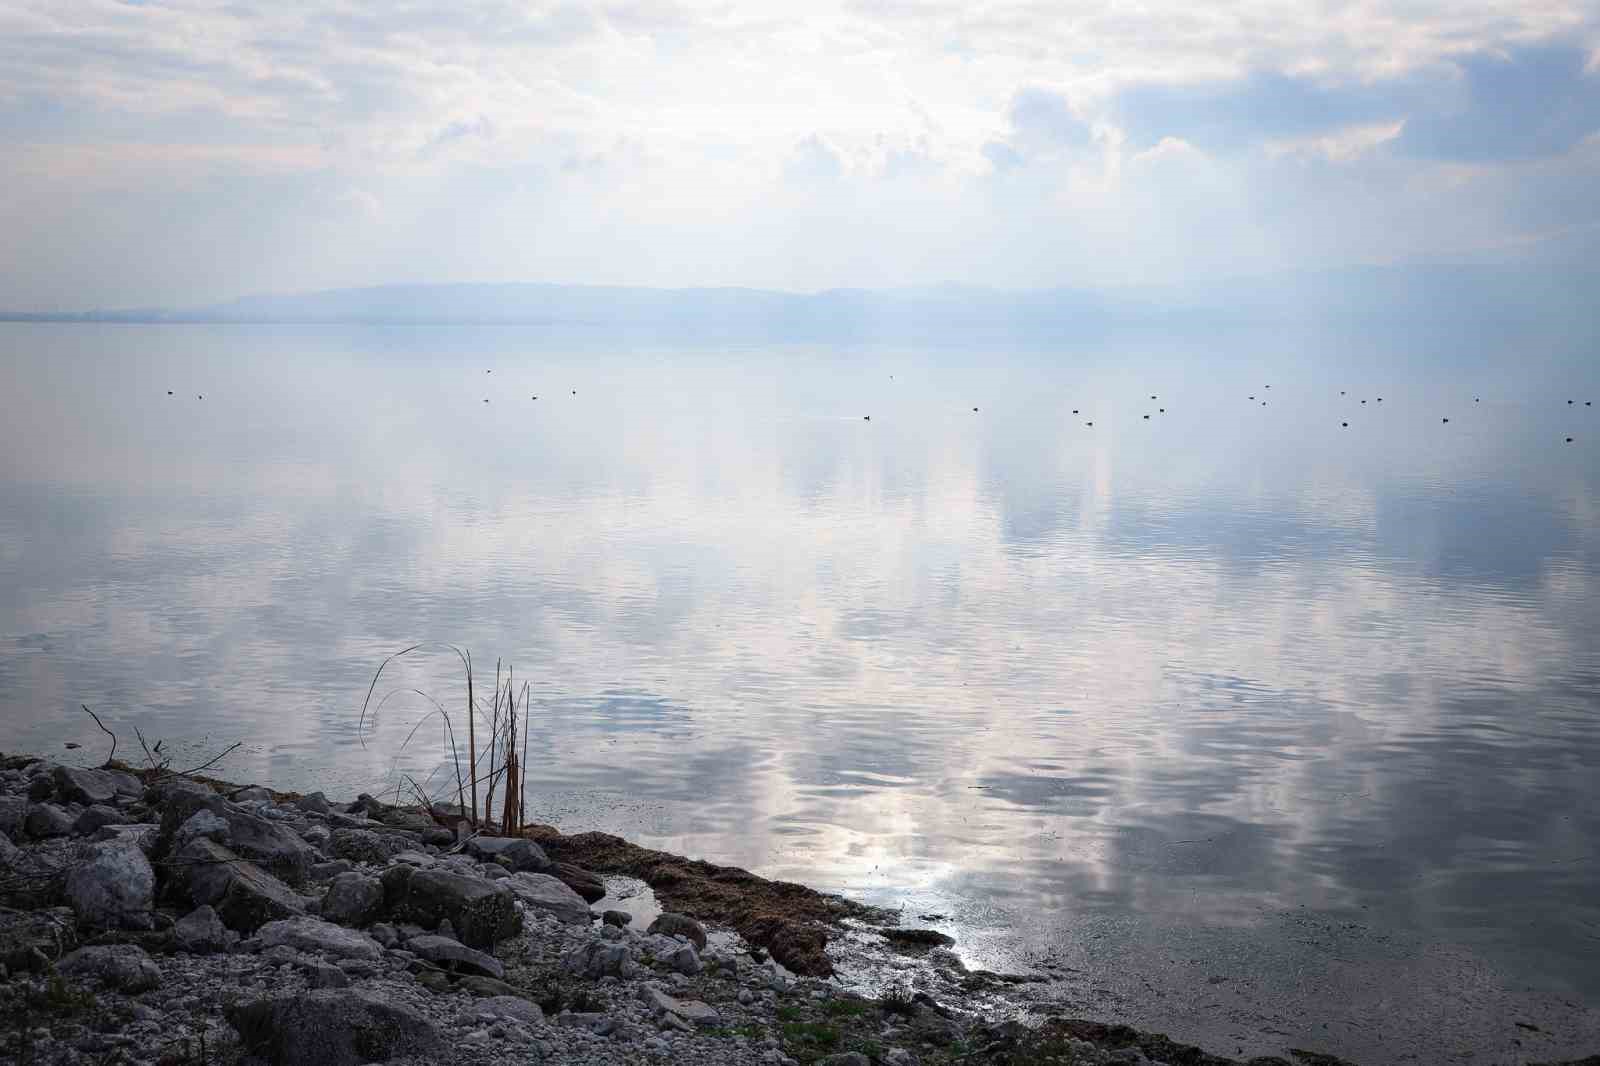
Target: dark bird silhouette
[(1263, 403), (486, 399), (1152, 397), (1380, 399), (169, 392), (1476, 400), (1074, 410), (1363, 401), (1345, 424), (574, 392), (1161, 410), (974, 408), (1569, 440), (1252, 397), (866, 418), (1444, 420), (488, 371), (1341, 392), (536, 397), (1088, 423), (199, 397), (1147, 418), (1569, 403)]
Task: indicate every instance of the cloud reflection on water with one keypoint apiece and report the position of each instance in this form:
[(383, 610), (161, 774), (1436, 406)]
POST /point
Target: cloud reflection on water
[(1206, 670)]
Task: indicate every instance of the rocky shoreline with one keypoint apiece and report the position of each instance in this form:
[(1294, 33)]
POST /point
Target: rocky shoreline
[(152, 918)]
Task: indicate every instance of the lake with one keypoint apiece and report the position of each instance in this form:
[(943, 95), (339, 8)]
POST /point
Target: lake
[(1266, 730)]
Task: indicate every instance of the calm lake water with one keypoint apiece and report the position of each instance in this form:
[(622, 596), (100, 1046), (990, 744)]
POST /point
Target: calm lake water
[(1276, 732)]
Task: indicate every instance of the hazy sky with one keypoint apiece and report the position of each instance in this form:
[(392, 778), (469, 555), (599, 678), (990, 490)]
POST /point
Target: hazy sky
[(186, 151)]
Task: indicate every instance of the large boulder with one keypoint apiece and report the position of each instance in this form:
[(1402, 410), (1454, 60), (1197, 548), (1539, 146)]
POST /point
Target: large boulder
[(275, 848), (454, 955), (89, 787), (8, 852), (313, 934), (201, 932), (353, 899), (595, 959), (515, 852), (45, 820), (545, 893), (124, 967), (364, 845), (113, 887), (333, 1027), (244, 895), (480, 912)]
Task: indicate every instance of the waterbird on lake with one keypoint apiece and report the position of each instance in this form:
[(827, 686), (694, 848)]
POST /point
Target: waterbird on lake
[(1161, 410), (1345, 424), (169, 392), (866, 418), (1152, 397), (1074, 410), (1147, 418), (1363, 401), (1569, 440), (974, 408), (1444, 420), (1088, 423)]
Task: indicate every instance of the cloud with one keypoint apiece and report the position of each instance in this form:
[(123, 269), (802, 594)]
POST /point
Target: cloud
[(1496, 104), (1521, 104)]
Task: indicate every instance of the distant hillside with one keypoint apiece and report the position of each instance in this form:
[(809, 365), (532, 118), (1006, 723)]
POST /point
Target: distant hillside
[(1449, 296)]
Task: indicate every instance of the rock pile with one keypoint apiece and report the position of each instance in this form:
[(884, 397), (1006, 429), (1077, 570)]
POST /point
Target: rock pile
[(166, 923)]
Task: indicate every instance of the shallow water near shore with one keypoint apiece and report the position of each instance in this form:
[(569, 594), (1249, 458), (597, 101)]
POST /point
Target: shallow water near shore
[(1259, 729)]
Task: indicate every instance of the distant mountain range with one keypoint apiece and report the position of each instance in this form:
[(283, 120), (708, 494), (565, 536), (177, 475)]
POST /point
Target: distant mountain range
[(1453, 295)]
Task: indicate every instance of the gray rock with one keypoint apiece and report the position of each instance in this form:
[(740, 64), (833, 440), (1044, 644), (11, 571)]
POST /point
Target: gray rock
[(76, 785), (518, 854), (141, 835), (201, 823), (250, 794), (669, 924), (201, 932), (8, 852), (845, 1058), (327, 871), (125, 967), (513, 1008), (322, 975), (244, 894), (684, 960), (273, 847), (13, 813), (113, 887), (414, 858), (353, 899), (619, 919), (899, 1056), (400, 818), (364, 845), (593, 1021), (384, 933), (313, 934), (314, 803), (545, 893), (333, 1027), (169, 788), (690, 1010), (480, 912), (47, 820), (93, 818), (454, 955), (438, 836), (596, 959)]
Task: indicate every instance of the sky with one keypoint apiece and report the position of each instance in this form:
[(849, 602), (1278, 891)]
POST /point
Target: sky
[(179, 153)]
